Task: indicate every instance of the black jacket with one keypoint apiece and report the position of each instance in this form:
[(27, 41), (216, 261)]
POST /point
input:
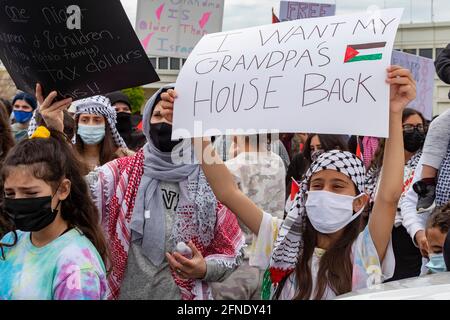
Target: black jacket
[(442, 64)]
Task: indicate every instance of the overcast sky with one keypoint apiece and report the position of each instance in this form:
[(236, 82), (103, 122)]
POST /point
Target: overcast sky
[(249, 13)]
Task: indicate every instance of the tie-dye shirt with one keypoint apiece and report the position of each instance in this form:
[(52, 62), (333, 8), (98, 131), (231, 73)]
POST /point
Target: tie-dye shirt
[(68, 268)]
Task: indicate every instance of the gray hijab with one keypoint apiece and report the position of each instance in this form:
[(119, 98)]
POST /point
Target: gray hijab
[(196, 197)]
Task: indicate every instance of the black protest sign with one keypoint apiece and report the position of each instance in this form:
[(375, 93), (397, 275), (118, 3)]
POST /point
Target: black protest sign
[(79, 48)]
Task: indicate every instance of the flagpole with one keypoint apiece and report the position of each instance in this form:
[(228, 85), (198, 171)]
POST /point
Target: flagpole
[(432, 10), (410, 11)]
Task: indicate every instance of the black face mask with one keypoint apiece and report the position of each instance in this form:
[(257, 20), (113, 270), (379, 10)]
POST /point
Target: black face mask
[(413, 140), (30, 214), (161, 134), (124, 125)]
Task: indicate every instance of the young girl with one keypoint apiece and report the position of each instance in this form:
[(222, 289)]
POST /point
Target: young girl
[(436, 232), (6, 143), (319, 251), (55, 248)]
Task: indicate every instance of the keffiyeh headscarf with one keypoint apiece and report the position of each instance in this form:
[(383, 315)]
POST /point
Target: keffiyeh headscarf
[(289, 243), (101, 106)]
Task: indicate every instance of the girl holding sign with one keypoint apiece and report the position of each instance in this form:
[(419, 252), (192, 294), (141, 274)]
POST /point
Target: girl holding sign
[(320, 251)]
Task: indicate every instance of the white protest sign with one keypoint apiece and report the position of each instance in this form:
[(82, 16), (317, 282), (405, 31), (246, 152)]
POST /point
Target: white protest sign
[(423, 71), (172, 28), (293, 10), (323, 75)]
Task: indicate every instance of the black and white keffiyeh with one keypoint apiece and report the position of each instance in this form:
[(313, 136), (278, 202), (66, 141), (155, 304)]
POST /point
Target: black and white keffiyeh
[(289, 243), (100, 105)]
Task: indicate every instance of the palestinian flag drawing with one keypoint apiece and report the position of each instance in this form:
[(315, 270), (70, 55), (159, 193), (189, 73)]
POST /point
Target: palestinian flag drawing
[(364, 52)]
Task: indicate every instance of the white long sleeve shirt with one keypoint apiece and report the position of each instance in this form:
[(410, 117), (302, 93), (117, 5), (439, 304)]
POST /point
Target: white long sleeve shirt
[(408, 216)]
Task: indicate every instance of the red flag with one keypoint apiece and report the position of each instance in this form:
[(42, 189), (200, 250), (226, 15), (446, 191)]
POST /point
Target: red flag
[(274, 17), (358, 149), (295, 188)]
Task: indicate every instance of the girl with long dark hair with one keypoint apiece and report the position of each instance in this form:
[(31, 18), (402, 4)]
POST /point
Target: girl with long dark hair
[(54, 248), (320, 251)]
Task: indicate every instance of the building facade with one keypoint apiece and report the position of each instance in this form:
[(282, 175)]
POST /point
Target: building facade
[(427, 40)]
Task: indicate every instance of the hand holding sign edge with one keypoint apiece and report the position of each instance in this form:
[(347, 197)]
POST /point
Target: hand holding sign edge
[(167, 103), (51, 110), (402, 88)]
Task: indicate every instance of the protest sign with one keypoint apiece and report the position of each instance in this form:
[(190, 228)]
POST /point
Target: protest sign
[(40, 42), (323, 75), (293, 10), (172, 28), (423, 71)]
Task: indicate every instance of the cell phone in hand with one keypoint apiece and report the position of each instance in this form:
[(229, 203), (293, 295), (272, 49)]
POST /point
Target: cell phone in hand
[(184, 250)]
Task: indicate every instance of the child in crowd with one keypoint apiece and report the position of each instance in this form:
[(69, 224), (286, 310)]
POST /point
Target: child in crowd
[(436, 232), (54, 248), (319, 251)]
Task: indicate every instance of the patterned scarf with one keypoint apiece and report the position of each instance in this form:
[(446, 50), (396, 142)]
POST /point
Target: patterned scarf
[(370, 146), (115, 194), (443, 182), (289, 243), (196, 196)]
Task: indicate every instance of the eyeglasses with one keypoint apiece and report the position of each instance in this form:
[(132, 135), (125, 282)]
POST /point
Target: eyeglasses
[(409, 128)]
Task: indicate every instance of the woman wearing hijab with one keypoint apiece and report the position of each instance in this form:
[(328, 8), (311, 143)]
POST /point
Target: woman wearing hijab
[(150, 203)]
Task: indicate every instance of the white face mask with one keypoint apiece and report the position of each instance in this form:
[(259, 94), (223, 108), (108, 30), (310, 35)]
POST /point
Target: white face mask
[(329, 212)]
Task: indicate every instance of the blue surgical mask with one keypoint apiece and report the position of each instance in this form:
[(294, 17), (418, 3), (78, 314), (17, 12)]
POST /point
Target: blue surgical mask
[(91, 135), (22, 116), (436, 263)]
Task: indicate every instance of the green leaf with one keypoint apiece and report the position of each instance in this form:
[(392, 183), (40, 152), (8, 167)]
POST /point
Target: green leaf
[(137, 98)]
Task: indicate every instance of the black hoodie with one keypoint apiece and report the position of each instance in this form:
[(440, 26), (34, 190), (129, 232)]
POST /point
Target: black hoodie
[(442, 64)]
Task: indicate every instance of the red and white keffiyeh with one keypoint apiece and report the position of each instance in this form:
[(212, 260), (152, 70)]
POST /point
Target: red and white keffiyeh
[(115, 194)]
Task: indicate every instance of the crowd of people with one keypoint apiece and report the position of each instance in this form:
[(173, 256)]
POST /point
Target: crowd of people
[(93, 208)]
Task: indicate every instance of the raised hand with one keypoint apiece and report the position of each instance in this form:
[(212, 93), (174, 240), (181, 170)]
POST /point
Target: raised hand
[(403, 88), (52, 112), (166, 103), (422, 242)]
